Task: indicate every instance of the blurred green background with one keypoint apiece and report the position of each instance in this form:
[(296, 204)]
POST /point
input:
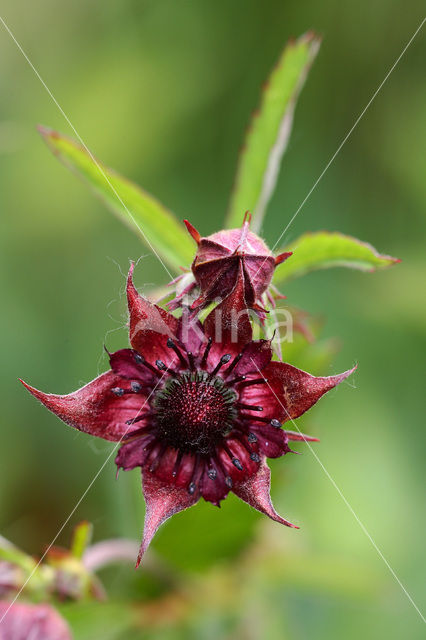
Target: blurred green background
[(162, 91)]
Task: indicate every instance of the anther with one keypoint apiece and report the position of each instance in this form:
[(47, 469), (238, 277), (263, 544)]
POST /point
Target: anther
[(224, 360), (206, 352), (234, 363), (251, 407), (276, 423), (117, 391), (191, 488), (177, 351), (251, 438), (141, 360), (212, 473), (160, 365), (228, 482), (255, 457), (135, 387), (237, 464)]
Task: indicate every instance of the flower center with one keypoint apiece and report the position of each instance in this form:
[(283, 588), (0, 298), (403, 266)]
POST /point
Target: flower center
[(194, 411)]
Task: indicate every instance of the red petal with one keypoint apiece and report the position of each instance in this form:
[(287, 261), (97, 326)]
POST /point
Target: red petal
[(94, 408), (213, 489), (150, 326), (272, 442), (255, 491), (255, 357), (134, 454), (290, 391), (190, 332), (123, 363), (162, 500)]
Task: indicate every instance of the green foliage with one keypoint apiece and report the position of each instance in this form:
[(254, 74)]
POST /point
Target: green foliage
[(324, 249), (159, 229), (269, 132)]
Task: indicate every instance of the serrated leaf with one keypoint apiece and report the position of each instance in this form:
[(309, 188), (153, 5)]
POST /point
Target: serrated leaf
[(269, 132), (160, 230), (324, 249)]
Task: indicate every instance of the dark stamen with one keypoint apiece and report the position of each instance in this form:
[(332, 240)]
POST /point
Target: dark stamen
[(117, 391), (191, 360), (251, 438), (255, 381), (160, 364), (224, 359), (135, 387), (228, 482), (255, 457), (192, 486), (251, 407), (177, 464), (236, 380), (234, 363), (212, 473), (206, 352), (276, 423), (141, 360), (177, 351)]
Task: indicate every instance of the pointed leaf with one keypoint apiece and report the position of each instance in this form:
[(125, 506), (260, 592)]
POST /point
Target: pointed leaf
[(324, 249), (159, 229), (269, 132)]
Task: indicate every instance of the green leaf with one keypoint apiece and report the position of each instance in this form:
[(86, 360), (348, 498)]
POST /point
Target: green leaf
[(159, 229), (269, 132), (324, 249)]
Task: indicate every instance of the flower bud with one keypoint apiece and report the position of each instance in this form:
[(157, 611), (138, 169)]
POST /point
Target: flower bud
[(224, 257)]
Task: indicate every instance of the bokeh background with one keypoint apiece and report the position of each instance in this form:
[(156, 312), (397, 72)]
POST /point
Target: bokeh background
[(162, 91)]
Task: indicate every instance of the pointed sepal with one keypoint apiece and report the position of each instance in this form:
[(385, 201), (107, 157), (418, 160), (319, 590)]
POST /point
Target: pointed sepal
[(150, 325), (95, 408), (255, 490), (293, 391), (162, 501)]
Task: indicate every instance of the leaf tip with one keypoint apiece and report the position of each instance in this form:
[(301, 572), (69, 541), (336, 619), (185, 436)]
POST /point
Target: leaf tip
[(47, 132)]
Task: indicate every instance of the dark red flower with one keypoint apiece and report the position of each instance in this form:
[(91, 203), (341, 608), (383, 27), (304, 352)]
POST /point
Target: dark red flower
[(198, 407), (229, 255), (20, 621)]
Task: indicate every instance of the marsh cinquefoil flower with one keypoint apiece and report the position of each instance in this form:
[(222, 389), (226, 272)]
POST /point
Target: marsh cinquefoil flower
[(198, 407)]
